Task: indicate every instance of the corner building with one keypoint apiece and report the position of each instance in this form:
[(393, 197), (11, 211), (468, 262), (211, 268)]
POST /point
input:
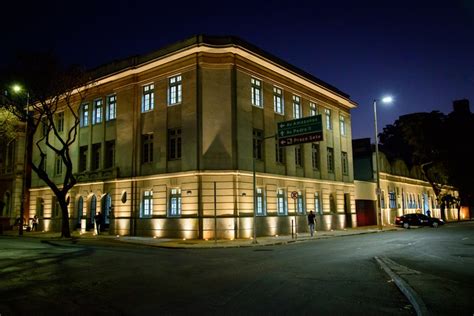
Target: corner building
[(167, 143)]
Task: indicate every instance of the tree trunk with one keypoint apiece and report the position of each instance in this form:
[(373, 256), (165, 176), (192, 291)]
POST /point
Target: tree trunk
[(65, 232)]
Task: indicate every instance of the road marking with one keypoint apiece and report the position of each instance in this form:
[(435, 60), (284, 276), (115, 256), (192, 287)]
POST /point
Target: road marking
[(406, 289)]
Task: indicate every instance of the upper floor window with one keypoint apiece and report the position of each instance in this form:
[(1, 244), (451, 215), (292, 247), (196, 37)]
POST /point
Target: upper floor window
[(97, 113), (342, 124), (279, 153), (330, 160), (85, 114), (312, 109), (147, 204), (95, 164), (297, 107), (58, 165), (256, 87), (44, 163), (258, 144), (174, 90), (260, 202), (392, 199), (60, 121), (148, 98), (327, 113), (315, 155), (109, 154), (83, 158), (175, 202), (174, 144), (111, 107), (281, 202), (147, 146), (278, 104), (345, 163), (298, 156), (44, 126)]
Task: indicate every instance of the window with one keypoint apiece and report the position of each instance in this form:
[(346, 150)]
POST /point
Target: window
[(174, 144), (58, 165), (298, 156), (278, 104), (147, 145), (256, 87), (392, 199), (342, 124), (260, 202), (111, 107), (148, 98), (39, 207), (147, 204), (83, 158), (174, 90), (279, 153), (60, 121), (44, 163), (109, 154), (258, 144), (317, 203), (315, 155), (345, 163), (300, 203), (382, 199), (85, 115), (175, 202), (327, 113), (312, 109), (330, 160), (296, 107), (56, 208), (97, 112), (95, 156), (44, 126), (281, 202), (93, 207)]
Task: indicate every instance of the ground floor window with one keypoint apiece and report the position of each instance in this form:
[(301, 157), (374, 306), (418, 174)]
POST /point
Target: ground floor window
[(175, 202), (260, 202), (147, 204), (281, 202)]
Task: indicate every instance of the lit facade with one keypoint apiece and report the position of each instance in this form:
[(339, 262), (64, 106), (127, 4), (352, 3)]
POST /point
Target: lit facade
[(403, 190), (167, 141)]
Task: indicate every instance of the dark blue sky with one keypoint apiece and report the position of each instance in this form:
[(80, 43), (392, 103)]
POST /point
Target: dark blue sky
[(422, 54)]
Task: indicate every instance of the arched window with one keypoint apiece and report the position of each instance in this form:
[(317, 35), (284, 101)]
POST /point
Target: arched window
[(106, 207), (80, 210), (92, 208)]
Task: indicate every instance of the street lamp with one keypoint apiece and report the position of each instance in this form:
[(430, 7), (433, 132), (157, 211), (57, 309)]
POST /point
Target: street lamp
[(387, 99), (18, 89)]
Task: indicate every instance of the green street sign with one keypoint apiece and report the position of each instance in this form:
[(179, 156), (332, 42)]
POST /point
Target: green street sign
[(304, 130)]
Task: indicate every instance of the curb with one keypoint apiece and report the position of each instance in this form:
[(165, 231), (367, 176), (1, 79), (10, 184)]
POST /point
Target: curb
[(407, 290)]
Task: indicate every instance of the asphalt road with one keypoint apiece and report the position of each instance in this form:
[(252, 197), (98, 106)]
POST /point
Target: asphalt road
[(336, 276)]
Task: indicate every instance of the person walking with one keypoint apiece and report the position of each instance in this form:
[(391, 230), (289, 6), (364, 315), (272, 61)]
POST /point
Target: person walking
[(311, 222), (35, 223), (98, 222)]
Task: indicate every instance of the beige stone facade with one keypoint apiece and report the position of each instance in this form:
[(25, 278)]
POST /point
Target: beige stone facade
[(181, 165)]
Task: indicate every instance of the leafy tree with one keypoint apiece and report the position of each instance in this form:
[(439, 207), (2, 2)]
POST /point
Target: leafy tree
[(437, 143), (48, 87)]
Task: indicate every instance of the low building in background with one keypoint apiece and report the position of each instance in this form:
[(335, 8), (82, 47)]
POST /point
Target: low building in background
[(168, 142), (403, 190)]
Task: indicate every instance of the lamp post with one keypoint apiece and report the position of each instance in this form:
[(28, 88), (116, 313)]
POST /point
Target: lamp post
[(18, 89), (377, 164)]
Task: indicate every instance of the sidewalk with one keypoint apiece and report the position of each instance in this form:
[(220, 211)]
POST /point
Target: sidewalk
[(53, 237)]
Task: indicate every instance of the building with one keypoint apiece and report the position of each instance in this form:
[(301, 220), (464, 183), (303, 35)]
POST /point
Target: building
[(403, 190), (167, 142)]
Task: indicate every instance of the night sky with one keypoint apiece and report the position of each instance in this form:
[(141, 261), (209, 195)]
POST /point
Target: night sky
[(422, 54)]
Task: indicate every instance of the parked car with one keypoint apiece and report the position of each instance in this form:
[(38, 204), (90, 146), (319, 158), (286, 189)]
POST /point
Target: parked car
[(417, 219)]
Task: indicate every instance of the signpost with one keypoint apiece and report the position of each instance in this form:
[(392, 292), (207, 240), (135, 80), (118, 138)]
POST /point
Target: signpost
[(294, 196), (299, 131)]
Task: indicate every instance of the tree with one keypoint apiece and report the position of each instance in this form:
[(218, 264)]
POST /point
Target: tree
[(49, 87), (437, 143), (9, 124)]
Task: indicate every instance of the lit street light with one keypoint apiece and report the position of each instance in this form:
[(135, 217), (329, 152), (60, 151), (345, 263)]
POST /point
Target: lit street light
[(387, 99), (18, 89)]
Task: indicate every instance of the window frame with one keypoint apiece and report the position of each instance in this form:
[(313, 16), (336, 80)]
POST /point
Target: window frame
[(97, 111), (282, 206), (175, 90), (313, 110), (256, 92), (148, 97), (260, 200), (146, 209), (60, 121), (317, 203), (147, 148), (174, 144), (328, 118), (315, 156), (345, 163), (299, 155), (84, 122), (175, 202), (278, 101), (297, 112), (342, 125), (330, 160), (111, 107)]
